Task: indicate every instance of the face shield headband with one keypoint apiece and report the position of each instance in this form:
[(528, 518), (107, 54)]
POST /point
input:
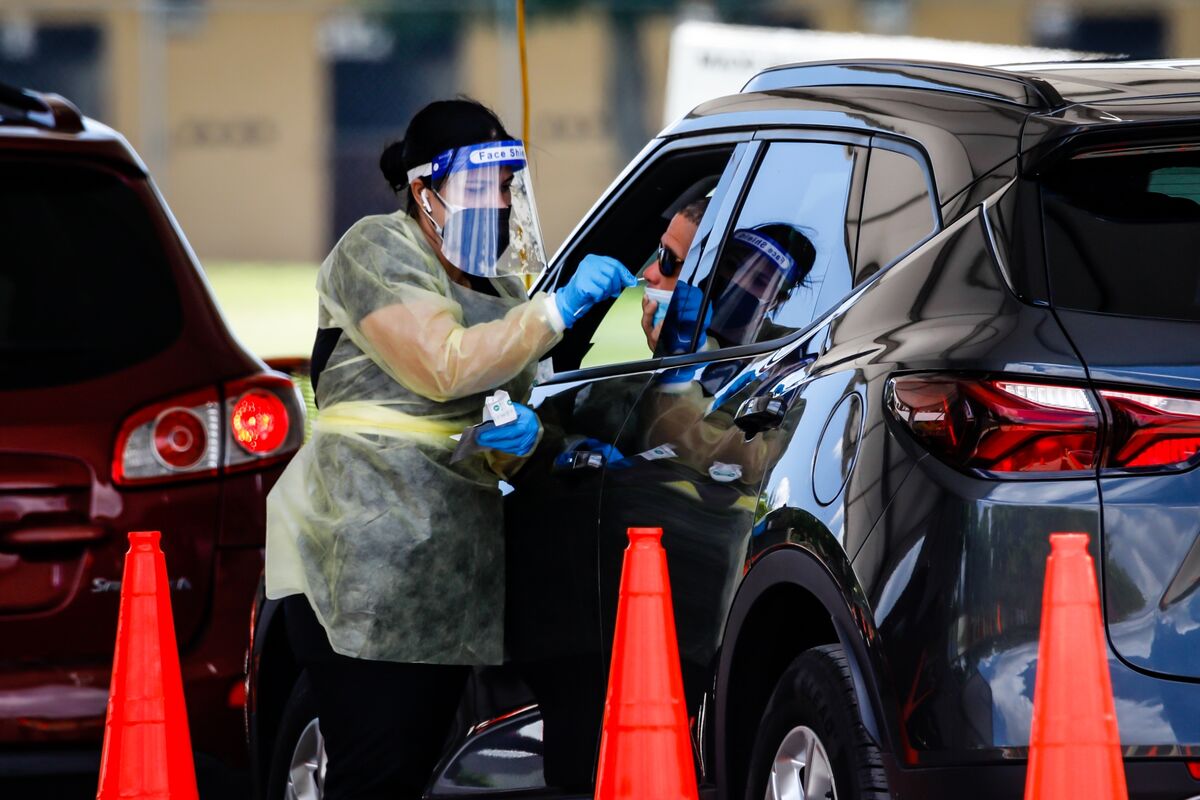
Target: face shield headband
[(491, 227)]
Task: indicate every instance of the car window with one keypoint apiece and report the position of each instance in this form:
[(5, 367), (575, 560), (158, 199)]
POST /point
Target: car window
[(1176, 182), (1121, 234), (671, 204), (897, 213), (788, 249), (85, 287)]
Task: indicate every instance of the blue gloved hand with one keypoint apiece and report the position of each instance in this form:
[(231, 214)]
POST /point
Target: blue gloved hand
[(678, 375), (597, 278), (686, 305), (610, 452), (516, 438)]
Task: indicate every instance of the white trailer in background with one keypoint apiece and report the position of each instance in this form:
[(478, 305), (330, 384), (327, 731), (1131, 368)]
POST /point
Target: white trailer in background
[(709, 59)]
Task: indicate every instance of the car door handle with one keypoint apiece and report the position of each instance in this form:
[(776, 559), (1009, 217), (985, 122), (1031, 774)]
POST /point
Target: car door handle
[(761, 413), (34, 537), (582, 459)]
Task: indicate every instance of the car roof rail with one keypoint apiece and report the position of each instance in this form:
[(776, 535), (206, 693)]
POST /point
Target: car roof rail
[(989, 83), (50, 111)]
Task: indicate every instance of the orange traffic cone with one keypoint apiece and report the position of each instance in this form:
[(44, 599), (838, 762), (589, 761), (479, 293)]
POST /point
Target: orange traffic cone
[(645, 749), (1074, 748), (147, 750)]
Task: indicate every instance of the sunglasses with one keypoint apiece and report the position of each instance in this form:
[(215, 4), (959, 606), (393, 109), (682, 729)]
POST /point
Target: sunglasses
[(668, 263)]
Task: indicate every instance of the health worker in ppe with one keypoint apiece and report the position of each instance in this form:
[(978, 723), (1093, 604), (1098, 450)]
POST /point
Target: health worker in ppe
[(388, 557)]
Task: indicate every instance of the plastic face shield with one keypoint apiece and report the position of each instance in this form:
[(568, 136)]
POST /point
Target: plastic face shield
[(491, 225), (764, 270)]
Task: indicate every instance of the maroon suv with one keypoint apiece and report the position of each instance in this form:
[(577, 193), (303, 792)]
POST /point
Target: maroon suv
[(125, 404)]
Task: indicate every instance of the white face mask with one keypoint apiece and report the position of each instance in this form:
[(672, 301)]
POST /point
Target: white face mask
[(473, 239), (450, 208)]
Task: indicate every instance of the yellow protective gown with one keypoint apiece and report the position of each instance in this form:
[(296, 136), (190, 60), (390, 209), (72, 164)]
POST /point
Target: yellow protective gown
[(399, 552)]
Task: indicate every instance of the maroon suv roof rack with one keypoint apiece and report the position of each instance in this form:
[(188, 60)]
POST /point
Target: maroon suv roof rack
[(48, 111)]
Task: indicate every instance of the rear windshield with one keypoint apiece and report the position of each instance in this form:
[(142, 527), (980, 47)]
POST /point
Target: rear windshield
[(1123, 234), (85, 287)]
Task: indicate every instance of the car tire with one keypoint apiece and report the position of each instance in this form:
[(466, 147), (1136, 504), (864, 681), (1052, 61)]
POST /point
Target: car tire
[(811, 744), (297, 770)]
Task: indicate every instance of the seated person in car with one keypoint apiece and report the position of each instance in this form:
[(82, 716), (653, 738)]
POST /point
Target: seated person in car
[(758, 270), (662, 275)]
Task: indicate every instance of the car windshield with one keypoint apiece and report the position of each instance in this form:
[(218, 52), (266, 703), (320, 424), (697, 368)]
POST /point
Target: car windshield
[(85, 286), (1123, 233)]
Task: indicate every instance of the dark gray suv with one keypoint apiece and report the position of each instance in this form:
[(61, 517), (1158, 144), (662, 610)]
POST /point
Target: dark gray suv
[(931, 314)]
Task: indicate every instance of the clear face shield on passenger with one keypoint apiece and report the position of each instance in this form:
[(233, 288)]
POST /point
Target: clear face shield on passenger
[(765, 269), (490, 226)]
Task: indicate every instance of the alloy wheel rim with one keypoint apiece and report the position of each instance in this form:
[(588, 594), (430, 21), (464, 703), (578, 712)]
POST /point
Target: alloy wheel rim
[(306, 775), (801, 769)]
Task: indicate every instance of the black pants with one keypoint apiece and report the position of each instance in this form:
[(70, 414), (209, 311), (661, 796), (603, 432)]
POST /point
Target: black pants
[(384, 723)]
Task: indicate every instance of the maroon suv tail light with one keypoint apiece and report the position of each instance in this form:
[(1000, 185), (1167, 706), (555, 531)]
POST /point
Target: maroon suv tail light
[(264, 421), (260, 422), (158, 442), (1009, 426)]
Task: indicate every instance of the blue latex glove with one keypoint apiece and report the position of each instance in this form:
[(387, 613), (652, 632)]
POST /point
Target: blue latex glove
[(597, 278), (610, 452), (678, 375), (516, 438), (686, 305)]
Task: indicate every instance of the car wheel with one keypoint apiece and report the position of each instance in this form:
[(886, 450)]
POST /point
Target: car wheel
[(811, 744), (298, 761)]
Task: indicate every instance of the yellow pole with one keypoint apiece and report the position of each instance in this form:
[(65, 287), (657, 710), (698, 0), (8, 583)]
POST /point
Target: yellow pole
[(524, 93), (524, 73)]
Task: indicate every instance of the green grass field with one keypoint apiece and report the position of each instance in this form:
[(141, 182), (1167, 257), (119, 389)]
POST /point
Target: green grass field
[(619, 337), (272, 308)]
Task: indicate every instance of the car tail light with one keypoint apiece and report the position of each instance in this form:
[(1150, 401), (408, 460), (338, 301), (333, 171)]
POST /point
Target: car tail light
[(265, 421), (1006, 426), (259, 422), (176, 439), (196, 435), (181, 438), (999, 426), (1151, 430), (237, 694)]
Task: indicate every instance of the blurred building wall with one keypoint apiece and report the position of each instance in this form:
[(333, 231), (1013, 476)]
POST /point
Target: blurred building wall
[(227, 103), (571, 129), (246, 126), (250, 124), (1137, 28)]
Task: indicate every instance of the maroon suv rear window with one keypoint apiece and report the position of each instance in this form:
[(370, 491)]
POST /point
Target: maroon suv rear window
[(85, 286), (1123, 233)]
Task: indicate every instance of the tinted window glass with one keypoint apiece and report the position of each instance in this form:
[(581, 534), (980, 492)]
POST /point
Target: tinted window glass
[(85, 288), (897, 212), (1177, 182), (787, 256), (1122, 233)]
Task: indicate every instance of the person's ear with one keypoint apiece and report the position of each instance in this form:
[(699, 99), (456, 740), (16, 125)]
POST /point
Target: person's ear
[(419, 191)]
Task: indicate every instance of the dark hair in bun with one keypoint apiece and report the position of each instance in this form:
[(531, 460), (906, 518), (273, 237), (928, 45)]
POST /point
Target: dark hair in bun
[(436, 128), (391, 164)]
